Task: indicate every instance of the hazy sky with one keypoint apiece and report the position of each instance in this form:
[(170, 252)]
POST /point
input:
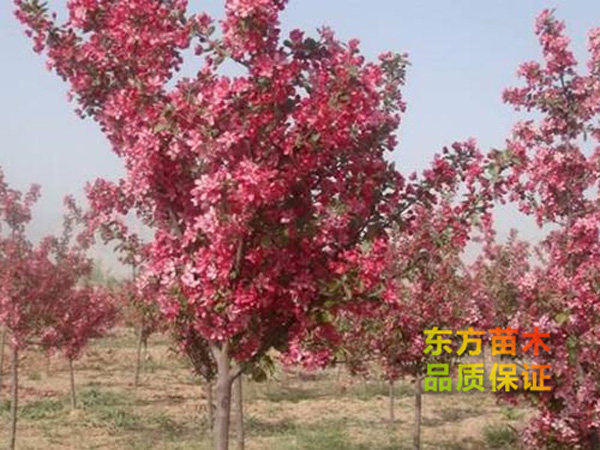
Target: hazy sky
[(463, 53)]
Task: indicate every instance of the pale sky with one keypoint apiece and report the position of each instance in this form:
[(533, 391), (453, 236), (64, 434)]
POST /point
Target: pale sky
[(463, 53)]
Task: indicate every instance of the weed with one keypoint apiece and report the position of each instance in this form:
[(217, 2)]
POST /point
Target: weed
[(511, 413), (500, 436), (94, 398), (119, 418), (257, 427), (41, 409)]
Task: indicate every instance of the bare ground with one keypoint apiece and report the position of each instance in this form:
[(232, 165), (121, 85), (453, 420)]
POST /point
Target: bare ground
[(293, 410)]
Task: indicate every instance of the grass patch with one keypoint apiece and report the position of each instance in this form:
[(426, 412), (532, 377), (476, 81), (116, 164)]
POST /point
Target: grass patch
[(4, 406), (94, 399), (41, 409), (322, 437), (256, 427), (290, 394), (111, 408), (330, 435), (500, 436), (167, 427), (465, 443), (119, 418), (458, 414), (511, 413), (367, 391)]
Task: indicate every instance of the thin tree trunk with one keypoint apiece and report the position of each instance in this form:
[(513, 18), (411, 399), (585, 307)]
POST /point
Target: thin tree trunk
[(47, 364), (210, 405), (417, 424), (594, 439), (391, 398), (224, 381), (2, 345), (239, 414), (138, 360), (72, 374), (14, 396), (145, 350)]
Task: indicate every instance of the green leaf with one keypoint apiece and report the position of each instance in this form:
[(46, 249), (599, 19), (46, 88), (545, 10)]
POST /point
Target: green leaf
[(572, 348), (561, 317)]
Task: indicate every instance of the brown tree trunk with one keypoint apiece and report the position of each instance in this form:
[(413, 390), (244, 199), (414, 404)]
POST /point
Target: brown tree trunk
[(72, 375), (47, 364), (239, 414), (594, 439), (224, 381), (417, 424), (2, 345), (391, 398), (138, 359), (145, 349), (14, 396)]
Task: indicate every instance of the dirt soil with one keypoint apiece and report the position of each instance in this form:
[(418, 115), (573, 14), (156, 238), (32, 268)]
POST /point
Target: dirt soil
[(293, 410)]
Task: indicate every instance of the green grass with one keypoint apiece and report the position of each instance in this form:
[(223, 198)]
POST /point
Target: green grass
[(327, 434), (257, 427), (500, 436), (94, 398), (290, 394), (167, 427), (511, 413), (4, 406), (119, 418), (41, 409), (458, 414), (110, 409)]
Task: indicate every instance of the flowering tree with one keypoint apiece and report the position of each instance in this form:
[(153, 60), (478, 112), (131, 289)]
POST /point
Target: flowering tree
[(87, 312), (138, 302), (28, 283), (80, 311), (254, 184), (40, 301), (555, 179), (494, 281), (430, 292), (143, 315), (396, 289)]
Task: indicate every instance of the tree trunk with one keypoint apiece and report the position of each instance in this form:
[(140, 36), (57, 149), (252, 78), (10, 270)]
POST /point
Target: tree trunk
[(47, 364), (2, 342), (14, 396), (145, 349), (391, 398), (417, 424), (138, 360), (210, 405), (594, 439), (72, 374), (224, 381), (239, 414)]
